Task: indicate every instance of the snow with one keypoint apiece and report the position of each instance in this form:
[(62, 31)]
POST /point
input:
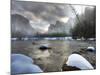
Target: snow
[(21, 57), (23, 64), (22, 67), (91, 48), (79, 62)]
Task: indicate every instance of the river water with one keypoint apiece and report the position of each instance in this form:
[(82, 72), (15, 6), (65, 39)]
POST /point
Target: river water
[(50, 60)]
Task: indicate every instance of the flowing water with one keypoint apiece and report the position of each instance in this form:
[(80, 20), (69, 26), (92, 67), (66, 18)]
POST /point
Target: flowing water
[(50, 60)]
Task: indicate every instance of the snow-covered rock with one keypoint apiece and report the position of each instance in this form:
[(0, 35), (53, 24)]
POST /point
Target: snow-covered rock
[(91, 48), (21, 64), (21, 57), (78, 61)]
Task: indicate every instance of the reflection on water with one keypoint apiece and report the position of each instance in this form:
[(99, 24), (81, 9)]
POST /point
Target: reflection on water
[(50, 60)]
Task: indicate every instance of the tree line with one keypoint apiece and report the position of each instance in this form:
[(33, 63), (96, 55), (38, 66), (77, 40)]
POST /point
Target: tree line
[(85, 26)]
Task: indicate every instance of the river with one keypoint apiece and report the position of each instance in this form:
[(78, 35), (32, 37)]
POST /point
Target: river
[(50, 60)]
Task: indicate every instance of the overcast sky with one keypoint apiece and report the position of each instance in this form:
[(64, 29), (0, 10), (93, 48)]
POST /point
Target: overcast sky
[(42, 15)]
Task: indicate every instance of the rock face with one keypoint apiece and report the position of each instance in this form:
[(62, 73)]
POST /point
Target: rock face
[(20, 25), (59, 27)]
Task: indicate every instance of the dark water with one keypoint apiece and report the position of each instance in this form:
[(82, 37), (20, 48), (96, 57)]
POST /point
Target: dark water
[(50, 60)]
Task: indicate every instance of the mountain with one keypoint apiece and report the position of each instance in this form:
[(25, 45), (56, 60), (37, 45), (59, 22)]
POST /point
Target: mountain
[(20, 26), (59, 27)]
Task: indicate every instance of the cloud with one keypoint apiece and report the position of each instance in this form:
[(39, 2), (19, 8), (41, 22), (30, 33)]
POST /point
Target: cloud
[(64, 19), (46, 11), (39, 15), (39, 25)]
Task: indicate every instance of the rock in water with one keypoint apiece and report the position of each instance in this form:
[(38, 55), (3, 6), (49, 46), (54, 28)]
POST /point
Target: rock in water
[(43, 48), (79, 61), (91, 49), (65, 67), (21, 57), (24, 68), (21, 64), (34, 43)]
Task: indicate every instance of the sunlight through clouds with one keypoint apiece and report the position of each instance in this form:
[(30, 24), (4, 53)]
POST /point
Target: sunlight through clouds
[(64, 19)]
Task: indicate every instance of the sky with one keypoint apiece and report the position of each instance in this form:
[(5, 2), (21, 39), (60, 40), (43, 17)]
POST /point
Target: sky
[(41, 16)]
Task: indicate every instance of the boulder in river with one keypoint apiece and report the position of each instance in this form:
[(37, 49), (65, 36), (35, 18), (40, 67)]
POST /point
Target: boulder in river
[(43, 48)]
